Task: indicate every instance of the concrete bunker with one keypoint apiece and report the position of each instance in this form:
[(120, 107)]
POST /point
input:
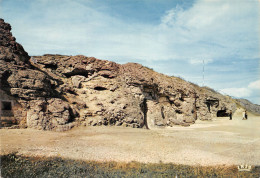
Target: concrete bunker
[(6, 108), (222, 113), (11, 111), (7, 114)]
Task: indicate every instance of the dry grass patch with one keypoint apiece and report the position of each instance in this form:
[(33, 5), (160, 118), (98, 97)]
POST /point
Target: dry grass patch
[(13, 165)]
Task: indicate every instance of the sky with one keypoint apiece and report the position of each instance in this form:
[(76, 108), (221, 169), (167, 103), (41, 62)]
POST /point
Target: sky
[(173, 37)]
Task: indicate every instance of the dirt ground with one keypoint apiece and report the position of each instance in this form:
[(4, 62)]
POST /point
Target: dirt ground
[(221, 141)]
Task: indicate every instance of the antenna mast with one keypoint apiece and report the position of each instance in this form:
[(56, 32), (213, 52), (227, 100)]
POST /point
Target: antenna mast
[(203, 71)]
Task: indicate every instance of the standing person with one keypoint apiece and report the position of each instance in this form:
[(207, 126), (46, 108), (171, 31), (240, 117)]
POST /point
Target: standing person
[(230, 115), (244, 115)]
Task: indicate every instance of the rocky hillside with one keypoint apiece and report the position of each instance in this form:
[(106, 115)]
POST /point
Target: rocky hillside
[(57, 92), (254, 108)]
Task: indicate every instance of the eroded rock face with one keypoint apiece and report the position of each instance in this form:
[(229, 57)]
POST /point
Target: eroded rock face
[(11, 51), (48, 115), (29, 88), (131, 95), (58, 92)]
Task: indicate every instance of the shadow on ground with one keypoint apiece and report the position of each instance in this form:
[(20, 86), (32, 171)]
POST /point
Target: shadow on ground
[(20, 166)]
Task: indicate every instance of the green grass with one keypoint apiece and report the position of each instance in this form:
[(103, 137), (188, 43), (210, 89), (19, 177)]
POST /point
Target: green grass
[(13, 165)]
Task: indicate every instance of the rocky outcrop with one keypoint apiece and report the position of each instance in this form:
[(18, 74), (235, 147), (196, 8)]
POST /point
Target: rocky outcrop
[(28, 89), (58, 92), (11, 51), (131, 95)]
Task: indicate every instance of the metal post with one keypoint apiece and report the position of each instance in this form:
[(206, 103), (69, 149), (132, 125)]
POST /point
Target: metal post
[(203, 84)]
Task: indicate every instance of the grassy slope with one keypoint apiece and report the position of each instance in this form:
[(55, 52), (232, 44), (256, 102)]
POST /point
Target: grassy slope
[(13, 165)]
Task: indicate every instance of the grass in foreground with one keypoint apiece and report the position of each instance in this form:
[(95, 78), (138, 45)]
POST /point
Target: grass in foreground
[(13, 165)]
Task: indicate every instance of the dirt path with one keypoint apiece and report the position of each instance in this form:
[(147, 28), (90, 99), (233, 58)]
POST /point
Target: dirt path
[(206, 143)]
